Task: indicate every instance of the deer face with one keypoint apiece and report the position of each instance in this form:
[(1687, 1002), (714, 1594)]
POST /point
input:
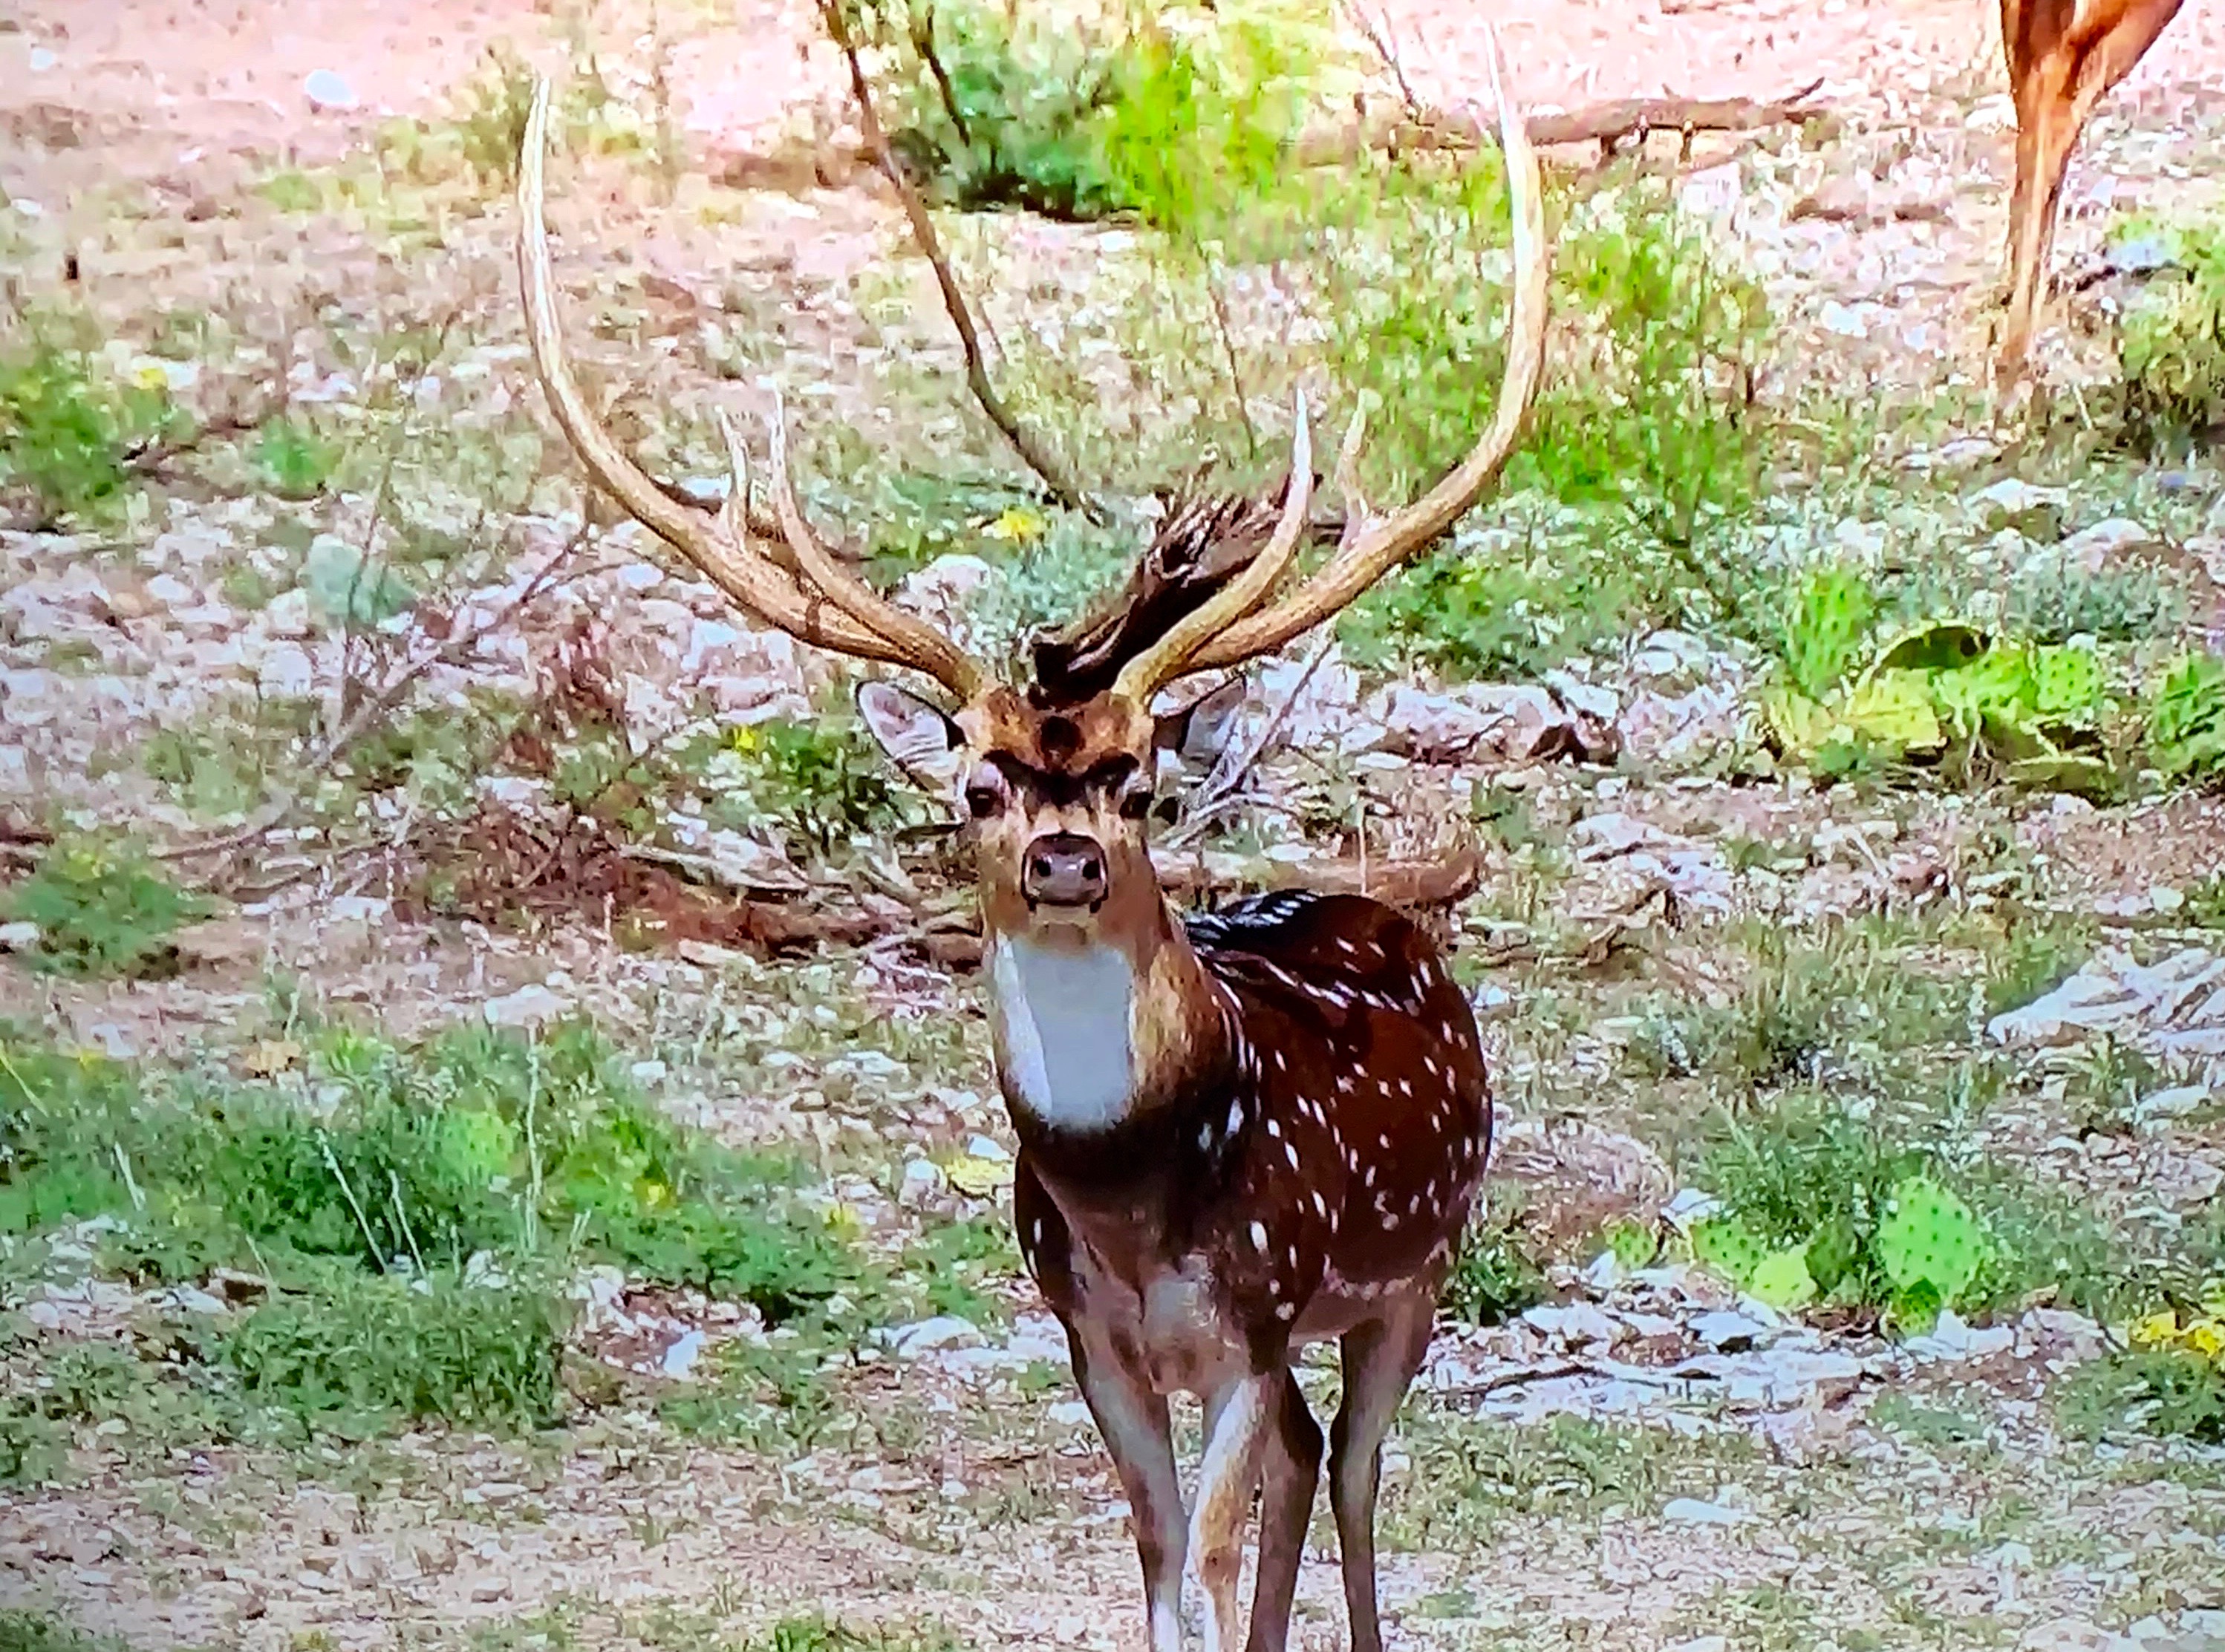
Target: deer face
[(1056, 803)]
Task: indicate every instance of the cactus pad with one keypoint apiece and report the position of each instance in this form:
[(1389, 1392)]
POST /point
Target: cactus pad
[(1782, 1280), (1929, 1237), (1724, 1246)]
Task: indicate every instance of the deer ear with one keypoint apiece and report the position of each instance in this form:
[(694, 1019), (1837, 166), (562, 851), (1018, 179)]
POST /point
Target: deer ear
[(1197, 732), (918, 736)]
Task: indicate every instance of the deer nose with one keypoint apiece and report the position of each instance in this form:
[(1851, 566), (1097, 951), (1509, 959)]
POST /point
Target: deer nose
[(1064, 869)]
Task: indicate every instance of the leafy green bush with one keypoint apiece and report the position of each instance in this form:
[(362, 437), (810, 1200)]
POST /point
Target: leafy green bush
[(23, 1630), (2186, 724), (2166, 1391), (1162, 111), (68, 429), (411, 1223), (1494, 1277), (296, 461), (102, 909), (821, 780), (2171, 347)]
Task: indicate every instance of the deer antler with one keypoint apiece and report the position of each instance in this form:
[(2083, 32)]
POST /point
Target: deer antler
[(1225, 632), (862, 623)]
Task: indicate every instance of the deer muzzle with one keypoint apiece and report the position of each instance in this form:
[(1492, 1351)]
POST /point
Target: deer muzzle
[(1064, 869)]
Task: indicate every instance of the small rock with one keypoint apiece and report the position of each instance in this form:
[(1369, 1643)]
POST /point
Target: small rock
[(922, 1179), (926, 1337), (1703, 1643), (1576, 1323), (2175, 1103), (2035, 512), (1729, 1332), (526, 1007), (327, 90), (288, 614), (2093, 549), (287, 672), (18, 937), (1691, 1511), (679, 1358)]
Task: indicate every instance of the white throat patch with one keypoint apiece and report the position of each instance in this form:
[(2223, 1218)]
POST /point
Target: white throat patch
[(1068, 1034)]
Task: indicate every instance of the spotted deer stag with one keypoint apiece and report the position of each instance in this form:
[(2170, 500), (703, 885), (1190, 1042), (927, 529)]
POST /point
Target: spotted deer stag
[(1240, 1133), (2064, 57)]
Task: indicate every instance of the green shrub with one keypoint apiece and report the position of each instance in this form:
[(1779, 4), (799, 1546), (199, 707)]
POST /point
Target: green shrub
[(23, 1631), (102, 909), (2171, 346), (2186, 724), (2166, 1391), (69, 428), (1162, 112), (296, 461), (1494, 1277)]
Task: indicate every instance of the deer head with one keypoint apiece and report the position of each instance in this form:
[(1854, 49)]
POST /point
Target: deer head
[(1057, 792)]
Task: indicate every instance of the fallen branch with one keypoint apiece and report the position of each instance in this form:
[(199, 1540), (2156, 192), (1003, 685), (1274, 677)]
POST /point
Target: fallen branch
[(1037, 457), (1606, 124)]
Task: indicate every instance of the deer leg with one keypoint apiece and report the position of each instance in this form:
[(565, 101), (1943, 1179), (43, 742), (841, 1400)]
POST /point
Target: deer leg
[(1286, 1507), (1132, 1417), (1380, 1358), (1237, 1419)]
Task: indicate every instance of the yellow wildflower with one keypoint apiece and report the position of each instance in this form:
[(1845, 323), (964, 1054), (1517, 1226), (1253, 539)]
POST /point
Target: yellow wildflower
[(1016, 523)]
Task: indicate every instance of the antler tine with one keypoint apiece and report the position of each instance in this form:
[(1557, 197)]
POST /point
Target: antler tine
[(718, 547), (1169, 657), (929, 649), (1385, 542)]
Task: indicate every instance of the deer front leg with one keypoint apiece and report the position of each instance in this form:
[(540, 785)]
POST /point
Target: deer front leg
[(1132, 1417), (1236, 1425), (1291, 1470), (1380, 1359)]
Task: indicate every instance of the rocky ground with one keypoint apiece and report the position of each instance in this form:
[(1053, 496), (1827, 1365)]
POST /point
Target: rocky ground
[(1665, 933)]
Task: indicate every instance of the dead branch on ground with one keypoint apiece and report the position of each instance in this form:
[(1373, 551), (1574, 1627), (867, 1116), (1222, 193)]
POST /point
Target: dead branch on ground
[(1415, 128)]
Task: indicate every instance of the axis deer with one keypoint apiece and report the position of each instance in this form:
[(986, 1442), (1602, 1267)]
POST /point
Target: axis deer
[(2064, 57), (1237, 1133)]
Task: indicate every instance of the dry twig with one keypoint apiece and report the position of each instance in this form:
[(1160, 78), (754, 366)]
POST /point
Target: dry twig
[(1037, 457), (351, 728)]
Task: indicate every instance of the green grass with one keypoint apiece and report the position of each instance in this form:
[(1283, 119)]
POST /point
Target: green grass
[(1472, 1479), (416, 1211), (2153, 1391), (24, 1630)]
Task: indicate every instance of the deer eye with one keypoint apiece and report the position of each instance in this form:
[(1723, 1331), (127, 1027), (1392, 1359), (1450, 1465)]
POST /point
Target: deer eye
[(985, 794), (1136, 802)]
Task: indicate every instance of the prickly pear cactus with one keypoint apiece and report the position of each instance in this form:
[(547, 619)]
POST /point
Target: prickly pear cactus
[(1929, 1243), (1725, 1245), (1782, 1280)]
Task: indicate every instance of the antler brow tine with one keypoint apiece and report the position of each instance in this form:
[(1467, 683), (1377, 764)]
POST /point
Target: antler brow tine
[(859, 623)]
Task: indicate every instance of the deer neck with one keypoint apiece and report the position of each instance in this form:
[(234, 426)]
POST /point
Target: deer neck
[(1101, 1035)]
